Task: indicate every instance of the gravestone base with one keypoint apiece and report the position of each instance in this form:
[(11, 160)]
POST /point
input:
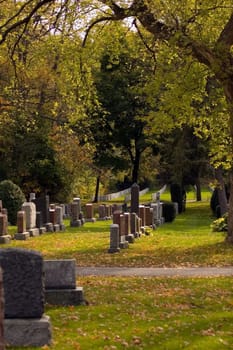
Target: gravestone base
[(137, 234), (65, 297), (130, 238), (76, 223), (114, 250), (62, 227), (102, 219), (90, 220), (124, 245), (34, 232), (22, 236), (28, 332), (49, 227), (42, 230), (56, 228), (5, 239)]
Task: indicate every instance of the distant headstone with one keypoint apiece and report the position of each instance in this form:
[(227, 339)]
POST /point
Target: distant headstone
[(114, 239), (42, 205), (21, 234), (135, 199), (4, 237), (30, 212)]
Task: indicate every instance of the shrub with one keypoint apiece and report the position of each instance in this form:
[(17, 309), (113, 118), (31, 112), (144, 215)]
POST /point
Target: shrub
[(169, 211), (220, 225), (12, 199)]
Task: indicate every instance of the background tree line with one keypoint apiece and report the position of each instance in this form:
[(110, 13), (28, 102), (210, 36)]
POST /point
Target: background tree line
[(146, 97)]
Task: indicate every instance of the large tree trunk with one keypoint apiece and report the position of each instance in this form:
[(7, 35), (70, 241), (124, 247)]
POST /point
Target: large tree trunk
[(95, 200), (198, 189), (222, 197), (136, 165)]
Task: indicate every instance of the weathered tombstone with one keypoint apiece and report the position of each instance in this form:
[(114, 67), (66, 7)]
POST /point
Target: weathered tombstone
[(30, 212), (102, 212), (128, 235), (60, 283), (21, 234), (42, 205), (59, 217), (148, 216), (23, 277), (133, 225), (89, 213), (114, 239), (4, 237), (142, 214), (2, 347), (75, 212), (39, 223), (52, 219), (135, 199), (123, 243), (0, 205)]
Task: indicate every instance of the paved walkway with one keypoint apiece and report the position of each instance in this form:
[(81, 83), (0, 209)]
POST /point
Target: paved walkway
[(155, 271)]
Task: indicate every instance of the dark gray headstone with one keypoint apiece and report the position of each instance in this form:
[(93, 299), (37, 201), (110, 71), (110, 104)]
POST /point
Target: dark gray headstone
[(23, 280), (42, 205), (135, 198)]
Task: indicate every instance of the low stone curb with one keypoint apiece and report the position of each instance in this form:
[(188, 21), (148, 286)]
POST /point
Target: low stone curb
[(155, 271)]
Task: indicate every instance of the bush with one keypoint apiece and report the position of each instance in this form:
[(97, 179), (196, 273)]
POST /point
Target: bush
[(169, 211), (12, 199), (220, 225)]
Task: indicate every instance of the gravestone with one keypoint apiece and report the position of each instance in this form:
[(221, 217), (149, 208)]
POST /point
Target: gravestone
[(42, 205), (30, 212), (59, 217), (4, 237), (89, 213), (123, 243), (21, 234), (128, 235), (135, 199), (75, 215), (114, 239), (23, 277), (142, 214), (0, 205), (60, 283), (102, 212), (2, 347)]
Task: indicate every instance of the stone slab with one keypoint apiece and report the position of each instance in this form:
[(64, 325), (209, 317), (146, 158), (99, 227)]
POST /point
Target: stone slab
[(22, 236), (28, 332), (5, 239), (34, 232), (65, 297), (60, 274)]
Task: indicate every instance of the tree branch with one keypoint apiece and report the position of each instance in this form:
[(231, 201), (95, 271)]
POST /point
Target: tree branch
[(226, 36)]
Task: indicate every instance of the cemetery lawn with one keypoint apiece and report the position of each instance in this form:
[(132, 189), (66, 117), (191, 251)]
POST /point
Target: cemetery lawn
[(186, 242), (144, 313)]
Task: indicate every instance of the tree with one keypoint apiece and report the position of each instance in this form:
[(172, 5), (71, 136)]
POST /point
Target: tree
[(120, 88)]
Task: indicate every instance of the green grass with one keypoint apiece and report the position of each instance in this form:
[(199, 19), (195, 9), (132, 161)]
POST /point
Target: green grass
[(188, 241), (147, 313), (144, 313)]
